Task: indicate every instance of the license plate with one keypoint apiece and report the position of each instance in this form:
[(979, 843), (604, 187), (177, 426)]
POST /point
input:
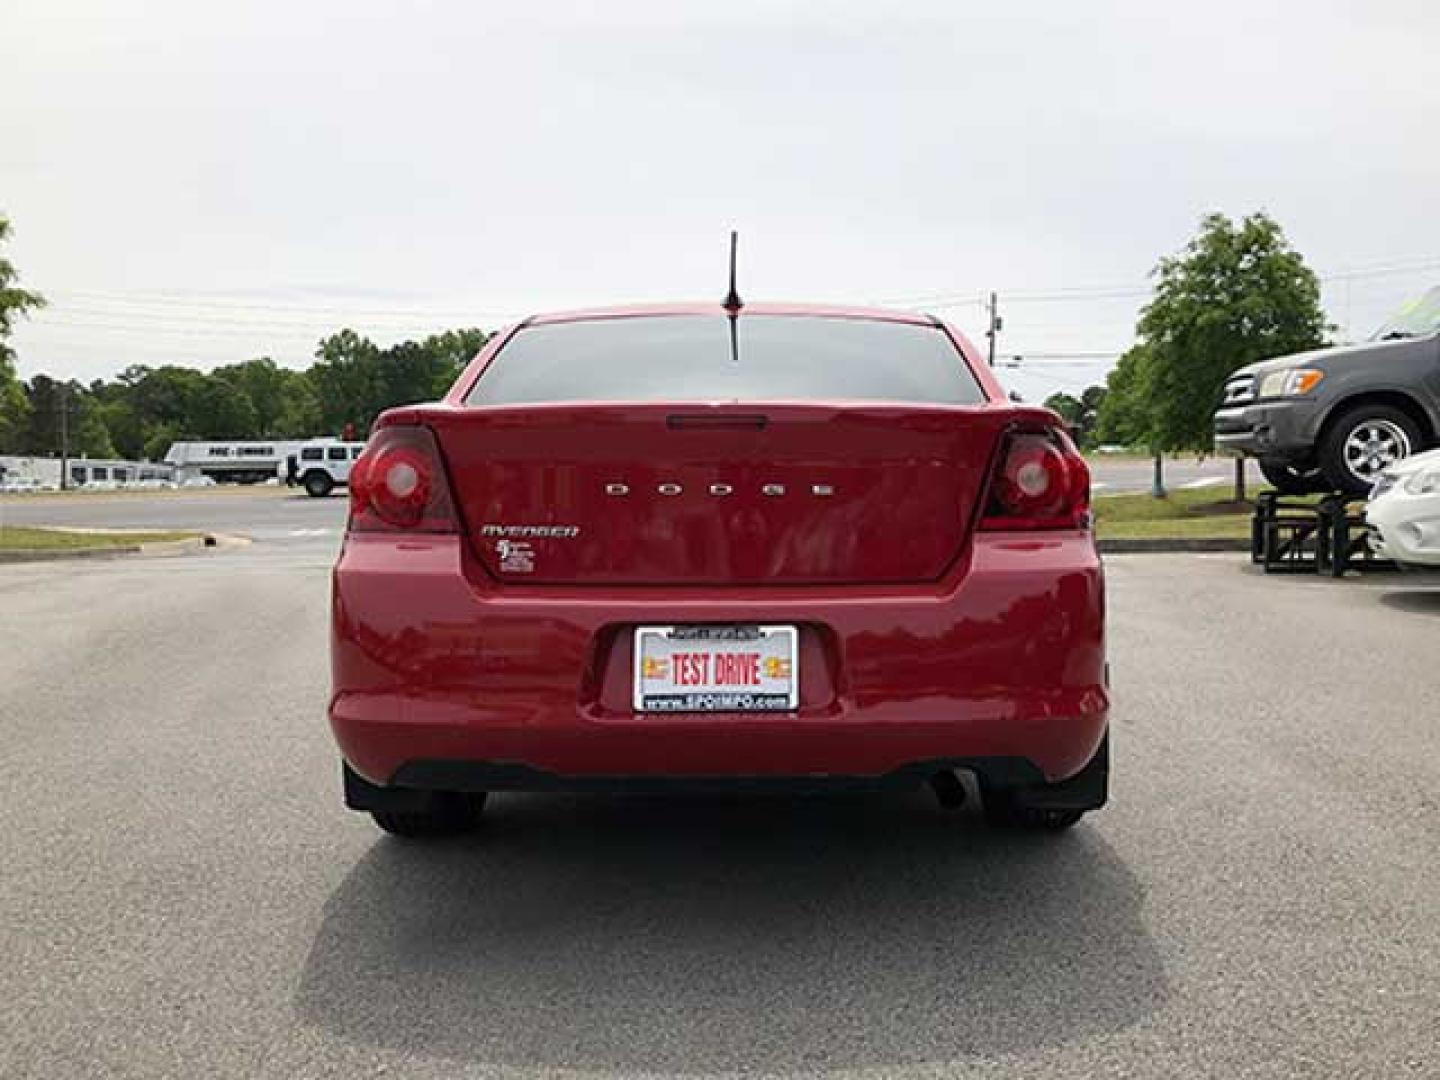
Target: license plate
[(716, 669)]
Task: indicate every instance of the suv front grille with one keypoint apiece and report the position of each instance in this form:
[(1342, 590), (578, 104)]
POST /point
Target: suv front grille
[(1239, 391)]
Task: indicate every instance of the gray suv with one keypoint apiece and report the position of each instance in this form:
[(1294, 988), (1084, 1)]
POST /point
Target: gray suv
[(1334, 419)]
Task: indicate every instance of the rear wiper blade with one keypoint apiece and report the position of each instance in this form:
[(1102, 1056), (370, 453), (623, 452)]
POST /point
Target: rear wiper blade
[(1396, 335)]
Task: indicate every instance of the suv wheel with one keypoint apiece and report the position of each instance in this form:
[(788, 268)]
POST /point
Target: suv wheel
[(1362, 443), (318, 484), (451, 814), (1291, 480)]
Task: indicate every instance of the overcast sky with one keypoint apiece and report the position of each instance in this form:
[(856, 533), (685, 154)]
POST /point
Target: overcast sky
[(197, 183)]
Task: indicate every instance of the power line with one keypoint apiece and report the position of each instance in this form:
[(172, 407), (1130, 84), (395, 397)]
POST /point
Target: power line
[(1057, 357), (184, 305), (66, 308), (182, 320), (184, 300), (975, 297)]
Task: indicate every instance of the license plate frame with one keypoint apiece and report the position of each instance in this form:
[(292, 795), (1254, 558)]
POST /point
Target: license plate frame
[(777, 693)]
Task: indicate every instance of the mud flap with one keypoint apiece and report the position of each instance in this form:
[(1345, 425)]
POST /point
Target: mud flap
[(360, 794), (1086, 790)]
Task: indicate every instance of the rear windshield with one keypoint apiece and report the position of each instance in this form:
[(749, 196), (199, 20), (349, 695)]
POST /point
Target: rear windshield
[(691, 358)]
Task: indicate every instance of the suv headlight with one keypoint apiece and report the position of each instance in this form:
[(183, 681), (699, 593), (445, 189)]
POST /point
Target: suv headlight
[(1290, 383), (1424, 482)]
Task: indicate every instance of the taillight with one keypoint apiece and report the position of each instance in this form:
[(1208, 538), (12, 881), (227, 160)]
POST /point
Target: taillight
[(1042, 483), (398, 484)]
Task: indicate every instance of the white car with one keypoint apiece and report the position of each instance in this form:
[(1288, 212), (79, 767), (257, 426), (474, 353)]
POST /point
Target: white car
[(1404, 511)]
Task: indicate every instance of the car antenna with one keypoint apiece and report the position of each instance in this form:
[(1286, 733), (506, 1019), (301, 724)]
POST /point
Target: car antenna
[(733, 303)]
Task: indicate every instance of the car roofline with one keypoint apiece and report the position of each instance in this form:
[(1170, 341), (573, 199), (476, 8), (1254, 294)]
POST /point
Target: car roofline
[(821, 311)]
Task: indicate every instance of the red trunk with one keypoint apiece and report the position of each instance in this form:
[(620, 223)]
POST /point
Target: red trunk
[(728, 494)]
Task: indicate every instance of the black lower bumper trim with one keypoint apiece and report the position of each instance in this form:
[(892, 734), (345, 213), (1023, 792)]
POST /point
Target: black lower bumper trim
[(478, 776), (416, 783)]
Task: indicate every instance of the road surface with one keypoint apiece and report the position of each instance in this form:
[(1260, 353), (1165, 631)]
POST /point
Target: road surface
[(183, 894)]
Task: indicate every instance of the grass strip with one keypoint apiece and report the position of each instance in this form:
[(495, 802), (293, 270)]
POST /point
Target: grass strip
[(1203, 512), (26, 538)]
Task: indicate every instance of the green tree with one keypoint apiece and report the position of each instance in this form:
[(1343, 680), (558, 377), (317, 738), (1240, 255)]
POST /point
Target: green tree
[(346, 378), (14, 406), (355, 380), (1126, 415), (1123, 416), (15, 302), (272, 391), (1091, 400), (1238, 293), (221, 410), (41, 431), (1080, 414), (164, 395), (451, 351), (88, 434), (1067, 406), (82, 431), (144, 409), (123, 424), (300, 414), (158, 438)]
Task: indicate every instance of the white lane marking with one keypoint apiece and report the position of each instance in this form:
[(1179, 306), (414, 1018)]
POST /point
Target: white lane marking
[(311, 532), (1098, 485), (1206, 482)]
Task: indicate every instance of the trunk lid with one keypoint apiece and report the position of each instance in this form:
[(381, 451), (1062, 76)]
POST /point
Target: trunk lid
[(745, 493)]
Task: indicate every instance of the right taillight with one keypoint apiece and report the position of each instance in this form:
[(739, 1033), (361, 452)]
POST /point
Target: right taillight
[(1041, 482), (398, 484)]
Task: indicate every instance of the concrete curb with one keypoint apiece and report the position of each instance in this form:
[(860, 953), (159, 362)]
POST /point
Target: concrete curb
[(177, 547), (160, 548), (73, 553), (1136, 545)]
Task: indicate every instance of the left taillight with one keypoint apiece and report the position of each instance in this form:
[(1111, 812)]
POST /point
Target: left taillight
[(398, 484), (1040, 482)]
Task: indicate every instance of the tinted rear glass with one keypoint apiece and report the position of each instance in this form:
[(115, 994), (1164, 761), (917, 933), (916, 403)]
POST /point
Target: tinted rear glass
[(689, 358)]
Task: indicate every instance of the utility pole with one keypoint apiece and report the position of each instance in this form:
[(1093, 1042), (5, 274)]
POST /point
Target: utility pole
[(64, 439), (996, 323)]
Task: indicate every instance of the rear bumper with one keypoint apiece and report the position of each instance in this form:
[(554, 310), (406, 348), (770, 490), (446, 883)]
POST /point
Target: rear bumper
[(440, 678), (1279, 429)]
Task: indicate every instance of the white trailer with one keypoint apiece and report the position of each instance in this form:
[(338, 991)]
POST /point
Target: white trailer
[(247, 461)]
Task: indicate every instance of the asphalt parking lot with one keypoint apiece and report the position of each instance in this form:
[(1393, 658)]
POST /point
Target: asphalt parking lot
[(183, 895)]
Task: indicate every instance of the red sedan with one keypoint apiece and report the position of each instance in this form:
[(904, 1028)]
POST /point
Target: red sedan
[(765, 547)]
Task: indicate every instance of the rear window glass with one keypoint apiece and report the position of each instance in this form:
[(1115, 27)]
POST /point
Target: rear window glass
[(690, 358)]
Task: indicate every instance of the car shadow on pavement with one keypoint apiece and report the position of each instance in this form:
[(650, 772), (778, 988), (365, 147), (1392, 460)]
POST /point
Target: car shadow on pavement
[(1419, 601), (678, 935)]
